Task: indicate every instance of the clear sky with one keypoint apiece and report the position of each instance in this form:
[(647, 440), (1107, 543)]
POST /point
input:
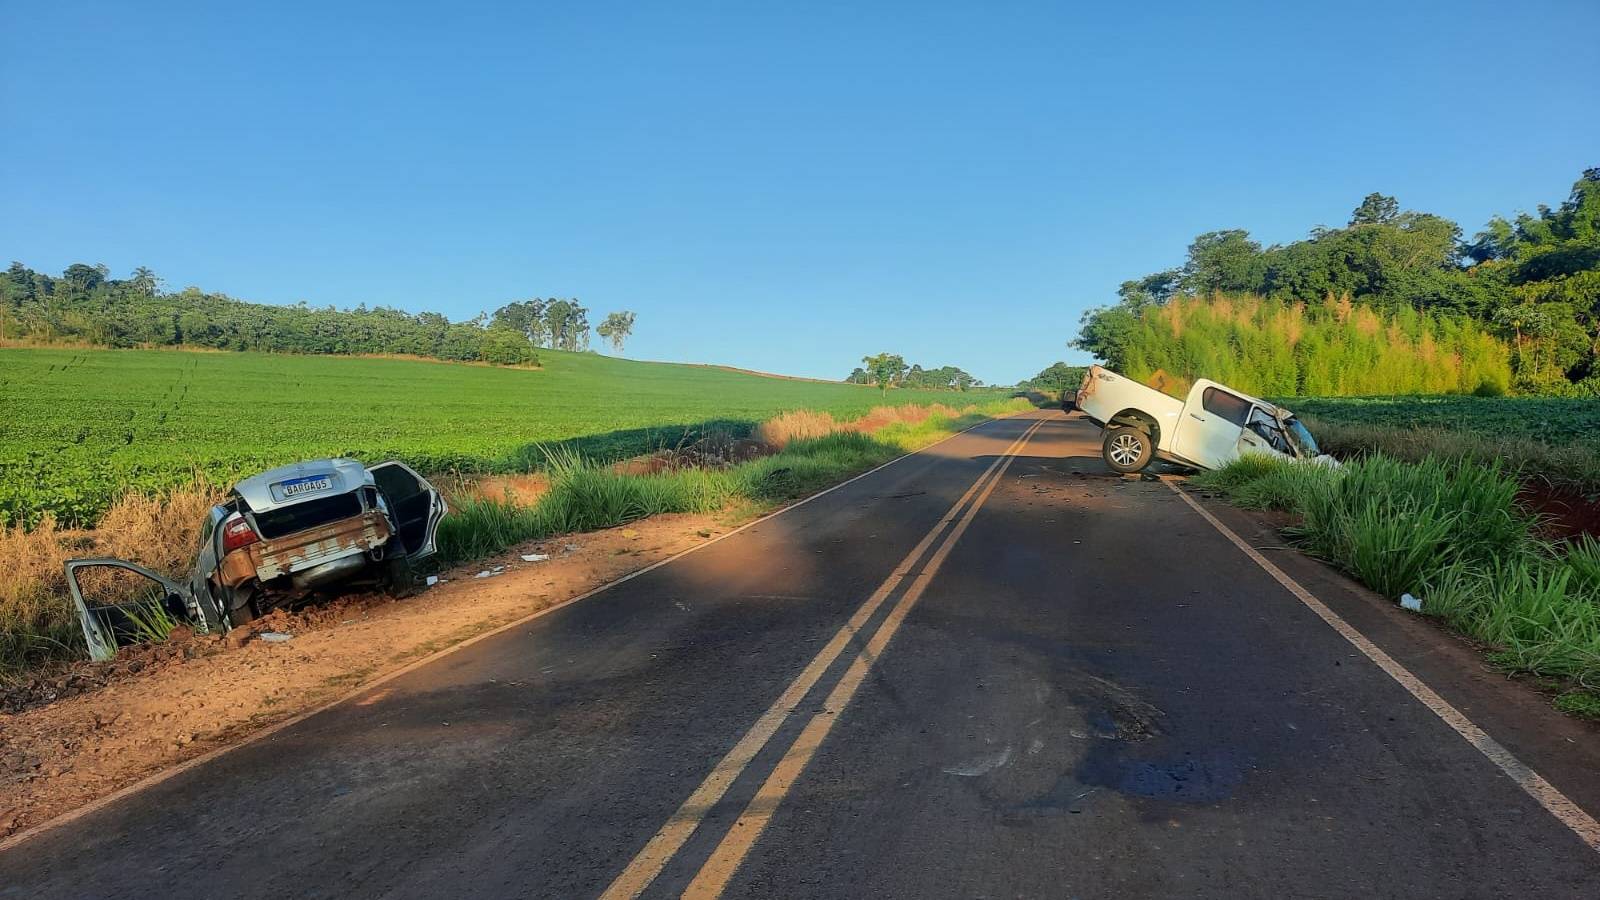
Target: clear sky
[(777, 186)]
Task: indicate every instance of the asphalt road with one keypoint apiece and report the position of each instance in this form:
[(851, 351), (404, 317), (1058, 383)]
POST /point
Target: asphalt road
[(1057, 684)]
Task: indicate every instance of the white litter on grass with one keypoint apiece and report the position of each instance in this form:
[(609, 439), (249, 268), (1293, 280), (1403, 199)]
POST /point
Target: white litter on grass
[(274, 637), (1412, 603), (535, 557)]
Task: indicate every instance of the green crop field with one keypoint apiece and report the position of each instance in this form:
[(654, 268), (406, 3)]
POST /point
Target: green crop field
[(80, 427), (1548, 420)]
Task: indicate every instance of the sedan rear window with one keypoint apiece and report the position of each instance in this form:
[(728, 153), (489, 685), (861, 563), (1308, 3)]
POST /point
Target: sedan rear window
[(288, 520)]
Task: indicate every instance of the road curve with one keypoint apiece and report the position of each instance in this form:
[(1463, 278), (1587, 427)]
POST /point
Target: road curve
[(990, 669)]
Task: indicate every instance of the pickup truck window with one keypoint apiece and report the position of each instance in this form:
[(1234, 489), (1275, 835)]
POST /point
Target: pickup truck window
[(1230, 407)]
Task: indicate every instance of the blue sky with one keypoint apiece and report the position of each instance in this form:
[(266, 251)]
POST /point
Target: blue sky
[(777, 186)]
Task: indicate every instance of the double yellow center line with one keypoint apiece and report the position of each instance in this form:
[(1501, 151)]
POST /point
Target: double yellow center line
[(714, 875)]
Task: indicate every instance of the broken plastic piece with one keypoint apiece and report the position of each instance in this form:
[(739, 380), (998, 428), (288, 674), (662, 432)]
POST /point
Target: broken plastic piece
[(431, 580), (535, 557), (1412, 603), (274, 637)]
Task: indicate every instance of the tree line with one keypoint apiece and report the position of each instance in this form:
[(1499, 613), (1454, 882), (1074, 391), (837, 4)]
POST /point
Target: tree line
[(1525, 290), (1055, 378), (85, 304), (887, 370)]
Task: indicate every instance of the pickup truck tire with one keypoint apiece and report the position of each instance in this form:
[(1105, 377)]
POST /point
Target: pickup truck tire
[(1126, 450)]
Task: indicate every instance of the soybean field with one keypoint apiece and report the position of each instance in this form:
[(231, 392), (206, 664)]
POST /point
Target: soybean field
[(1547, 420), (80, 427)]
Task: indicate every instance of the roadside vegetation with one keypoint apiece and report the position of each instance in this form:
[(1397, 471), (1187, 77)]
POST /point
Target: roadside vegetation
[(82, 427), (812, 451), (1393, 302), (1450, 532), (570, 489), (1553, 442)]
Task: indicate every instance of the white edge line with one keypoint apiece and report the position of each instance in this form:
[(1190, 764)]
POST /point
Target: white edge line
[(1546, 794), (156, 778)]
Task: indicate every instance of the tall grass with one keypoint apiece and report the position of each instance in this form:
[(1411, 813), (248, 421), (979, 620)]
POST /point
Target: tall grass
[(1451, 532), (1270, 347), (1571, 465), (585, 495), (37, 623)]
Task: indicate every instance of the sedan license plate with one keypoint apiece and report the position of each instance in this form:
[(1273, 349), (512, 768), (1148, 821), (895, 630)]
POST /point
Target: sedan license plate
[(299, 487)]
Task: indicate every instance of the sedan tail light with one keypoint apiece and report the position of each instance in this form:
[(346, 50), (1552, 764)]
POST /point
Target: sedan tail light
[(236, 533)]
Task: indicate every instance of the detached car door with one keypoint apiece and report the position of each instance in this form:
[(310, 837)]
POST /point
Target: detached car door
[(414, 506), (119, 602), (1209, 436)]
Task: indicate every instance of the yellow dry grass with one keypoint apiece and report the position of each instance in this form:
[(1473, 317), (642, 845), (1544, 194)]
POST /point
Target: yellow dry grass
[(801, 424), (156, 532)]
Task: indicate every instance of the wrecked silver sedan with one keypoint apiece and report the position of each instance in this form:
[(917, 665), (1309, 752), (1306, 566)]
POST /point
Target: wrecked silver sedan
[(277, 537)]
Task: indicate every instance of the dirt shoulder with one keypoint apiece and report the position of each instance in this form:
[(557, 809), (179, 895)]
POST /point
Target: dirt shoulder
[(102, 726)]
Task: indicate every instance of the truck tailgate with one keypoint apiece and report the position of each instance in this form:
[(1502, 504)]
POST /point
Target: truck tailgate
[(1105, 393)]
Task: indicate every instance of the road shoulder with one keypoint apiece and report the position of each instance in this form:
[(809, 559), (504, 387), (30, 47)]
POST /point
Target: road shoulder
[(1565, 750)]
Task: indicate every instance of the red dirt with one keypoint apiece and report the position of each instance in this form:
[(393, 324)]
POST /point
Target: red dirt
[(1565, 512)]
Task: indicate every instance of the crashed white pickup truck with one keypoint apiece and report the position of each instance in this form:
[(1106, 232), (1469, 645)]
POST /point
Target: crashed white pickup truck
[(1210, 429)]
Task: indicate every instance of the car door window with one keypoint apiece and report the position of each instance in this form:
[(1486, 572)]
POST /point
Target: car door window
[(1265, 427), (1229, 407)]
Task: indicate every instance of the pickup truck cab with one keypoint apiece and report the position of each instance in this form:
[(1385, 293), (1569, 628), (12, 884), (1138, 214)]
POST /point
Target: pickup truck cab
[(1211, 428)]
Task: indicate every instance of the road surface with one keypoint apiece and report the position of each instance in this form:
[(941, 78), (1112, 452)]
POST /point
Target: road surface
[(989, 669)]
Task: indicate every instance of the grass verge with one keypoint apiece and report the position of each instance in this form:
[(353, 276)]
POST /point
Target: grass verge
[(585, 495), (1449, 531)]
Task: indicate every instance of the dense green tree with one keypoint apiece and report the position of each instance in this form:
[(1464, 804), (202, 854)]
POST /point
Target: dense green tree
[(1222, 261), (507, 347), (616, 329), (1055, 378), (524, 316), (885, 369), (1376, 209), (1534, 280), (567, 324)]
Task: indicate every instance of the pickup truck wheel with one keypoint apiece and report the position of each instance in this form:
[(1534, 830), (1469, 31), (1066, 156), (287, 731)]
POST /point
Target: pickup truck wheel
[(1126, 450)]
